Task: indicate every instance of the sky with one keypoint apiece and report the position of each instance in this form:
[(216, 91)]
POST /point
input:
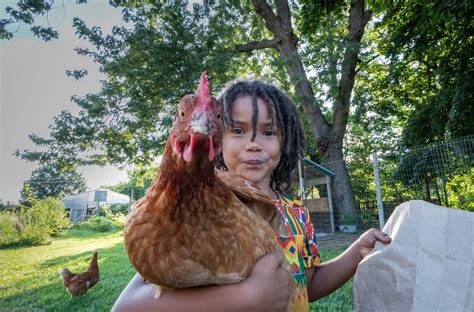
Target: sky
[(34, 88)]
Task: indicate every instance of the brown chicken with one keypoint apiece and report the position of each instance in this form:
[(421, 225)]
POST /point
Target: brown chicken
[(197, 225), (78, 284)]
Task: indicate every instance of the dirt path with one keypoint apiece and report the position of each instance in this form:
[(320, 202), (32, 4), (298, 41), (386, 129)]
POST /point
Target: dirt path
[(335, 240)]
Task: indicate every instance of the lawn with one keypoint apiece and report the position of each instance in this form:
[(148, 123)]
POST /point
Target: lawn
[(30, 279)]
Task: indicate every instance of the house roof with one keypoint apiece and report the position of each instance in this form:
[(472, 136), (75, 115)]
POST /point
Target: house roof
[(319, 168)]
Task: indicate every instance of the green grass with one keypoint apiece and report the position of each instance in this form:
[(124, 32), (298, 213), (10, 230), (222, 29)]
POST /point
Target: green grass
[(30, 277), (30, 280)]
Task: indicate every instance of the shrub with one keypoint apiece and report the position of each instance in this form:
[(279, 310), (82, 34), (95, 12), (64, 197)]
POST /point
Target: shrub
[(119, 209), (117, 218), (35, 225), (35, 230), (461, 191), (9, 228), (97, 223), (45, 218)]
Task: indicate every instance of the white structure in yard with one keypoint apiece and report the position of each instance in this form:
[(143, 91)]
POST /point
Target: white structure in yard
[(84, 204)]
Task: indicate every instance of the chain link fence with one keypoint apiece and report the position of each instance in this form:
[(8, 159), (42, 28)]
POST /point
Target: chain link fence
[(441, 173)]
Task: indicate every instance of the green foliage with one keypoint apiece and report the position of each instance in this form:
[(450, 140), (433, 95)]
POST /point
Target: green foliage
[(34, 225), (350, 218), (149, 65), (119, 208), (97, 224), (45, 218), (461, 191), (9, 228), (50, 180), (429, 45), (140, 178), (368, 218), (115, 213)]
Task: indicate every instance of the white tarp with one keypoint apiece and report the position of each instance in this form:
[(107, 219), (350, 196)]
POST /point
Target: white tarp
[(429, 265)]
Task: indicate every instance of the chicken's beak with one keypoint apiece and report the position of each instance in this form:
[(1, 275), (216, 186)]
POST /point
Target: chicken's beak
[(201, 122), (202, 131)]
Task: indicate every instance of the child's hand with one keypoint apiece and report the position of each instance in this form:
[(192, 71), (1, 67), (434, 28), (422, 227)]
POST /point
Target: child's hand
[(268, 286), (367, 241)]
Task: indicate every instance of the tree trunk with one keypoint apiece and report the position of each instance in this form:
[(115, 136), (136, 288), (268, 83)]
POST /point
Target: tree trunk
[(342, 192)]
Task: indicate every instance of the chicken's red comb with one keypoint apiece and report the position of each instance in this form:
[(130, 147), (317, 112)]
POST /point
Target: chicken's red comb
[(203, 88)]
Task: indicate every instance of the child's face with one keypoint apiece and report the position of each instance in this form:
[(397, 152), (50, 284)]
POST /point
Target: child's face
[(253, 160)]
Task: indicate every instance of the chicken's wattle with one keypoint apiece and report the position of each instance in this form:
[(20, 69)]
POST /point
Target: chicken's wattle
[(195, 143)]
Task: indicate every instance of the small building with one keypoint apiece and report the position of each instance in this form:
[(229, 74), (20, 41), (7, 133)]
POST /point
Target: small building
[(82, 205), (315, 180)]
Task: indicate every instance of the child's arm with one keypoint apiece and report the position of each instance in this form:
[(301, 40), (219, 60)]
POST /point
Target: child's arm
[(330, 275), (267, 288)]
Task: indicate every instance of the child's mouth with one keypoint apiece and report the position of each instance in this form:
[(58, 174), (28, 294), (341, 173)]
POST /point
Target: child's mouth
[(254, 162)]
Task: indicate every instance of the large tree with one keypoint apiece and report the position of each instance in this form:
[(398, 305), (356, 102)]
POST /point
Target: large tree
[(152, 64), (50, 180), (314, 49)]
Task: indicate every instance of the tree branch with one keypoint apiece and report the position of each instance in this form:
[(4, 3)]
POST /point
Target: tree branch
[(358, 19), (256, 45), (265, 11), (286, 44), (283, 12)]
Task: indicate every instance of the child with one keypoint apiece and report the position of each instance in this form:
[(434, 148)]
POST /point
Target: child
[(262, 142)]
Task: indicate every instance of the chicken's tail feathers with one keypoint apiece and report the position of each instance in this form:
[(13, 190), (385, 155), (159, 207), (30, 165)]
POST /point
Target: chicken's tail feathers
[(94, 264)]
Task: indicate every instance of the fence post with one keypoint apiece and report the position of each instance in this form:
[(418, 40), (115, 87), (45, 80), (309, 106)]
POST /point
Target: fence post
[(302, 184), (378, 189), (331, 209)]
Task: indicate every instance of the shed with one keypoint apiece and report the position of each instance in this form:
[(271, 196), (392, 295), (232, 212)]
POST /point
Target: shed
[(313, 182), (84, 204)]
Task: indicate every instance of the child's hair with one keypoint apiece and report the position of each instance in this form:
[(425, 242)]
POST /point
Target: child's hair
[(293, 141)]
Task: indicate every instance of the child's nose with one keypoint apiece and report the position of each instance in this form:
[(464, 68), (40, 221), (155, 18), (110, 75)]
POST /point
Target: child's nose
[(253, 145)]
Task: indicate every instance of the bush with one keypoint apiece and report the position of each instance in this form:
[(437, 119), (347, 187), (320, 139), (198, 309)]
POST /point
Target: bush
[(461, 191), (45, 218), (97, 224), (35, 225), (119, 209), (117, 218), (9, 228)]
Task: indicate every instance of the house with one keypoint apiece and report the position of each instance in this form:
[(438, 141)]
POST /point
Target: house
[(84, 204)]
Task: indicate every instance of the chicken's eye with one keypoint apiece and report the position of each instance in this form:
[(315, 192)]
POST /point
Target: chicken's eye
[(218, 115), (182, 113)]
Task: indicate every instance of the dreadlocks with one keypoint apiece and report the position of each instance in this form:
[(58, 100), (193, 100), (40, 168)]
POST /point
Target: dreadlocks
[(293, 140)]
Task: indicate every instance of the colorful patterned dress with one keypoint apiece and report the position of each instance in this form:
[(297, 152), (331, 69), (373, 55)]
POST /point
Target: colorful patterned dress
[(299, 246)]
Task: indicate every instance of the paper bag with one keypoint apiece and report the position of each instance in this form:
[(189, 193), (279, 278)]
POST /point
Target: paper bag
[(429, 265)]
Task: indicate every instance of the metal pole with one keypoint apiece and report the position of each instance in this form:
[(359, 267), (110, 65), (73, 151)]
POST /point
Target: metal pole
[(331, 209), (378, 189), (130, 202), (302, 186)]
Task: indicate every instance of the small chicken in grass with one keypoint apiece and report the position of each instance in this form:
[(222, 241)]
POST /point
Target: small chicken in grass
[(78, 284), (196, 225)]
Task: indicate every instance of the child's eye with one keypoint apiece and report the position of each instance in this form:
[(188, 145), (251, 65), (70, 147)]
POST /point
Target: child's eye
[(269, 132), (237, 131)]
